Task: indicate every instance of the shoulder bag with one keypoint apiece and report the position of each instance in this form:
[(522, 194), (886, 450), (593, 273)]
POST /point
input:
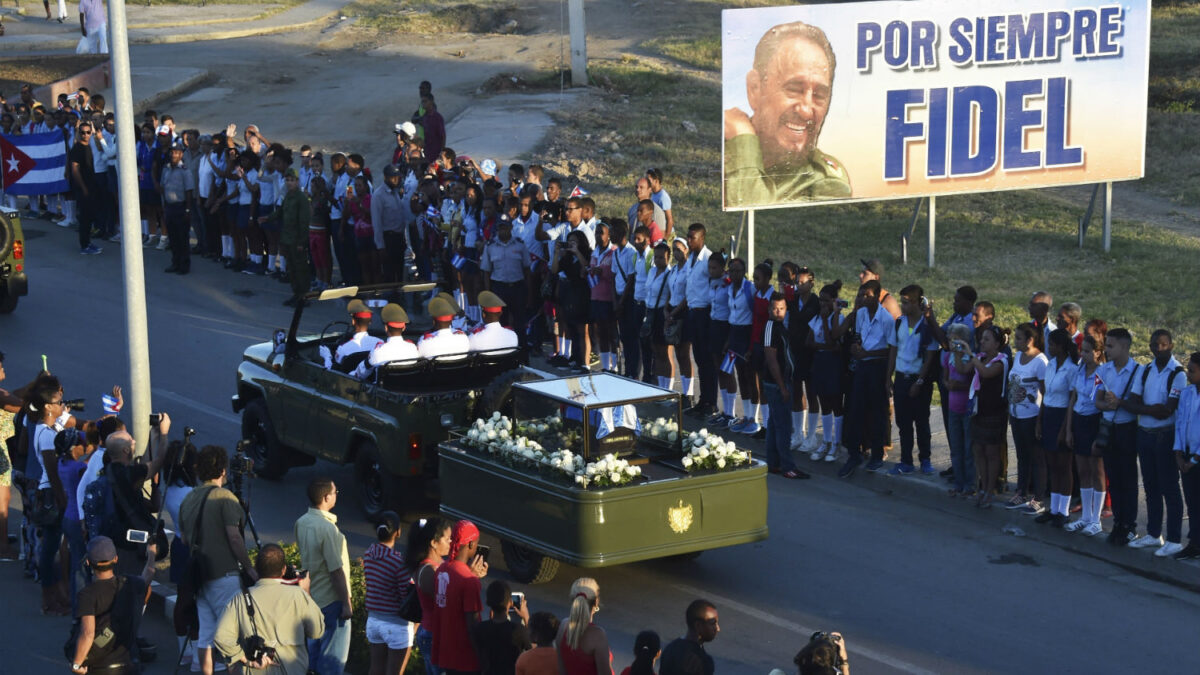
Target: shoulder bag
[(1105, 431), (410, 606)]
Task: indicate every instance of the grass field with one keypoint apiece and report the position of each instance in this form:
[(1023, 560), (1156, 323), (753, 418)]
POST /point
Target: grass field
[(1006, 244)]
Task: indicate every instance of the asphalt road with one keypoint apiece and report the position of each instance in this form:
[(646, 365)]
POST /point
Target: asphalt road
[(917, 585)]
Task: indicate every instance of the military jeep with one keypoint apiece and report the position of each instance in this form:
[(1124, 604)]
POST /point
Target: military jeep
[(388, 425), (13, 282)]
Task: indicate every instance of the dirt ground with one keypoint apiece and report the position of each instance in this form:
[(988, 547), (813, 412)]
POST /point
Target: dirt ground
[(40, 71)]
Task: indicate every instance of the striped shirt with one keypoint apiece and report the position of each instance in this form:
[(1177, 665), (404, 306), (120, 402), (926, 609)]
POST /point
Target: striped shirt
[(388, 579)]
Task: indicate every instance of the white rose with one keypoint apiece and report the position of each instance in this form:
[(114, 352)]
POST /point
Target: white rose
[(673, 436), (491, 435), (615, 477), (703, 453), (704, 432), (721, 463), (591, 470), (581, 481), (687, 461)]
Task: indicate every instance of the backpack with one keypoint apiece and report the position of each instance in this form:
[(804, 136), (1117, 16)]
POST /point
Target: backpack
[(100, 515), (1170, 378), (125, 618)]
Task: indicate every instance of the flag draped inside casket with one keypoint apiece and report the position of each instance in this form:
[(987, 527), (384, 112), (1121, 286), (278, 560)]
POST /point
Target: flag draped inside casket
[(33, 164)]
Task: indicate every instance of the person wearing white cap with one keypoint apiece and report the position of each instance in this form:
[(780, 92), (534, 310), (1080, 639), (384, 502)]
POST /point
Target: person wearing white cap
[(405, 132)]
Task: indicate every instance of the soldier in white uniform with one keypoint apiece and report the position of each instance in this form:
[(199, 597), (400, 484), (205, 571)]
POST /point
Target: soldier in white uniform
[(460, 322), (443, 340), (491, 335), (396, 348), (361, 341)]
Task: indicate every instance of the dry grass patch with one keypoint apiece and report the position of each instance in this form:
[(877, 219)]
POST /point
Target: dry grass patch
[(430, 16)]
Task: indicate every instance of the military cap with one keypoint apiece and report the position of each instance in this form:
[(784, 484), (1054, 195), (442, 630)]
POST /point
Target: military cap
[(440, 309), (490, 302), (358, 309), (394, 315), (449, 298)]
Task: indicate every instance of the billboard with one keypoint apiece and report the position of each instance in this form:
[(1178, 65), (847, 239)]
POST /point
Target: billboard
[(887, 100)]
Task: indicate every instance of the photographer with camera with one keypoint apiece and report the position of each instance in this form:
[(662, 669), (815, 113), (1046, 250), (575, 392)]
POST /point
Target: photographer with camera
[(110, 609), (212, 520), (825, 654), (266, 627)]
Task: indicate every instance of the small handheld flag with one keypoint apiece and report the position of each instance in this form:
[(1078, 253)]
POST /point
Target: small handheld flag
[(579, 192), (728, 364)]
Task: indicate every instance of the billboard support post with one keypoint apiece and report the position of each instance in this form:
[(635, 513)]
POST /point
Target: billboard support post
[(1107, 216), (932, 228), (750, 239), (578, 44)]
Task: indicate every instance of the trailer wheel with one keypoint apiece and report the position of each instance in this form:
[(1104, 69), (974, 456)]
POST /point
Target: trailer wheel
[(526, 565)]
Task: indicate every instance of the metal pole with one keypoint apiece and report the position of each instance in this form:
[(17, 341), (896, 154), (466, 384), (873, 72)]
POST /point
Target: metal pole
[(131, 232), (750, 240), (1107, 216), (932, 228), (579, 76)]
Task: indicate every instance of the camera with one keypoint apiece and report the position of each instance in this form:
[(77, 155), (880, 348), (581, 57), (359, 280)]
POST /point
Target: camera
[(155, 419), (924, 303), (293, 575), (75, 404), (255, 648), (240, 464)]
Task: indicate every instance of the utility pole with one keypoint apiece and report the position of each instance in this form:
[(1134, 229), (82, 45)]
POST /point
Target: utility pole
[(579, 76), (137, 337)]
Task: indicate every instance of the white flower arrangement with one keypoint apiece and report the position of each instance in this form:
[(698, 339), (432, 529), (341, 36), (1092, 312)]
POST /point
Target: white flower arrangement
[(495, 435), (662, 429), (703, 450)]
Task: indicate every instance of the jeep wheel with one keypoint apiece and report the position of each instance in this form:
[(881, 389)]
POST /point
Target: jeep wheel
[(526, 565), (6, 236), (270, 458), (8, 302), (378, 490), (498, 394)]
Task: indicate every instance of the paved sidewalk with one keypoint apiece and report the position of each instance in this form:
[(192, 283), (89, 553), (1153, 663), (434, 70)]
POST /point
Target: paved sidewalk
[(162, 25)]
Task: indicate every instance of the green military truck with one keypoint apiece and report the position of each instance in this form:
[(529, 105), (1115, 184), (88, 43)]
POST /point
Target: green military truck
[(13, 282), (592, 470)]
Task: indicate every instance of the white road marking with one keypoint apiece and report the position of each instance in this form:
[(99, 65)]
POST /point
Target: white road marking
[(766, 617), (196, 405)]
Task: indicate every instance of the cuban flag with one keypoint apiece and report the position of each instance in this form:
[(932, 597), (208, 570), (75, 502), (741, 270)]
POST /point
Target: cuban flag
[(111, 404), (458, 261), (34, 164), (432, 212), (728, 364), (579, 192)]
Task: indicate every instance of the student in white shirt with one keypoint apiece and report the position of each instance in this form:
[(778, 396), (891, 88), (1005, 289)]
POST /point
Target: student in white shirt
[(1061, 368), (868, 425), (1187, 453), (1025, 402), (1155, 397), (1120, 452), (1083, 420), (676, 314), (658, 290)]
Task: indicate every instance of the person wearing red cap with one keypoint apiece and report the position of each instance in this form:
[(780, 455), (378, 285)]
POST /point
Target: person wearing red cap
[(458, 602), (491, 335), (396, 348), (360, 341), (442, 340)]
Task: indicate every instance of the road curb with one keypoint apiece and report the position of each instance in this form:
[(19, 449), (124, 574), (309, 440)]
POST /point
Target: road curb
[(181, 87)]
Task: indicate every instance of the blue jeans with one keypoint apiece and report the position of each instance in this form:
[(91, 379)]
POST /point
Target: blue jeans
[(1160, 477), (779, 429), (424, 642), (327, 655), (73, 530), (958, 432)]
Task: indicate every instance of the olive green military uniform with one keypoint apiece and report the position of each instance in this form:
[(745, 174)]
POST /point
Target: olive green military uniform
[(294, 217), (747, 182)]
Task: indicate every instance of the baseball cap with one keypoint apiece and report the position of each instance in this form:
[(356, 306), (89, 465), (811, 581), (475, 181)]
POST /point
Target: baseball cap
[(488, 168), (101, 550), (391, 170), (67, 439), (463, 533), (163, 130), (872, 265), (406, 128)]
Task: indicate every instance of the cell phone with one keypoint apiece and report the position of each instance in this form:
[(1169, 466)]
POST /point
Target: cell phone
[(518, 599), (137, 536), (842, 304), (484, 552)]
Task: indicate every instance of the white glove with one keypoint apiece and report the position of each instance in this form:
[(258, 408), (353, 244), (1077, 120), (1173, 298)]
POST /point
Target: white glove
[(327, 356)]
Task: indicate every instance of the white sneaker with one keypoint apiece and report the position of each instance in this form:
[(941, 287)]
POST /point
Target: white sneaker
[(813, 443), (116, 238), (831, 452), (1075, 525), (1169, 549), (162, 244), (816, 454), (1092, 529), (1146, 541), (797, 442), (151, 240)]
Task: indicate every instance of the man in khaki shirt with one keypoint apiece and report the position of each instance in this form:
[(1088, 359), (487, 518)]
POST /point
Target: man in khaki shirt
[(323, 553), (284, 616)]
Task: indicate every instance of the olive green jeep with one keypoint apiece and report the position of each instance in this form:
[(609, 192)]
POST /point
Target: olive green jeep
[(295, 410), (13, 282)]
